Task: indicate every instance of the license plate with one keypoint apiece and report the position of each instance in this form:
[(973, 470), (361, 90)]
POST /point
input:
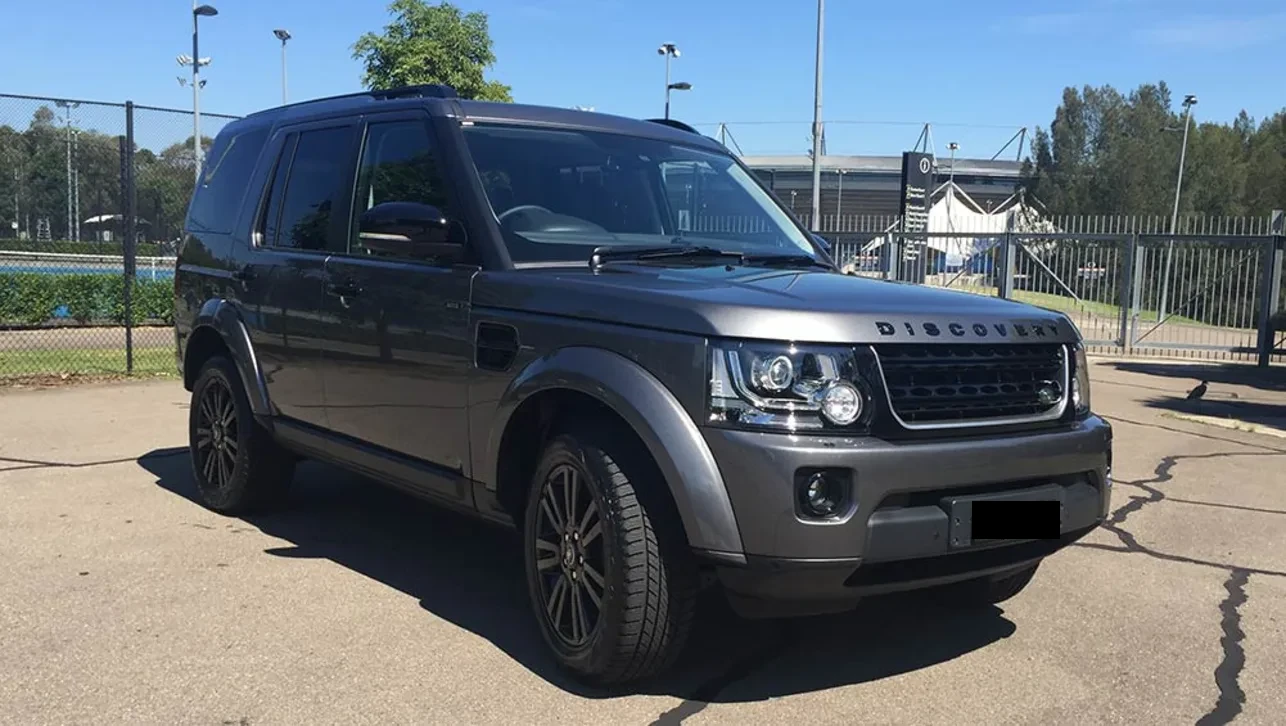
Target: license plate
[(1027, 514)]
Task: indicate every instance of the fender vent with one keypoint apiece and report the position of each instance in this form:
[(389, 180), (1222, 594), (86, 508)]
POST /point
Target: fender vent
[(495, 346)]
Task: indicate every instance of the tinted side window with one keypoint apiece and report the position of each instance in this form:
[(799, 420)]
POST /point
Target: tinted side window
[(316, 183), (224, 179), (398, 165), (270, 223)]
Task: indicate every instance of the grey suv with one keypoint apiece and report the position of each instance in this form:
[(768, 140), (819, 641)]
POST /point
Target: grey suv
[(609, 335)]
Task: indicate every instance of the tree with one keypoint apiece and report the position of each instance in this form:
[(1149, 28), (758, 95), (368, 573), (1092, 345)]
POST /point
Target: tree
[(1266, 166), (431, 44), (1108, 153)]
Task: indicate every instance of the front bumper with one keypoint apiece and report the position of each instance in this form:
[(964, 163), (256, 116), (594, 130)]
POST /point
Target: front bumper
[(896, 536)]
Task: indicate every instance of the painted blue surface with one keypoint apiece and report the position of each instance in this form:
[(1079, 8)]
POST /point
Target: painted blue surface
[(142, 272)]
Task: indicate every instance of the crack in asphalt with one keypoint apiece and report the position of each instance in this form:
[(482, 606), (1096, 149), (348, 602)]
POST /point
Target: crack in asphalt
[(1180, 559), (1238, 507), (1161, 475), (1231, 696), (27, 464), (702, 695), (1227, 674), (1200, 435)]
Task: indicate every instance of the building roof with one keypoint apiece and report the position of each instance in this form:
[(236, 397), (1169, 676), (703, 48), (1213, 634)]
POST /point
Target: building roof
[(880, 164)]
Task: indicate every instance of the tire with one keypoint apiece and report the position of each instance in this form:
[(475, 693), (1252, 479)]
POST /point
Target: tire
[(993, 590), (624, 548), (237, 466)]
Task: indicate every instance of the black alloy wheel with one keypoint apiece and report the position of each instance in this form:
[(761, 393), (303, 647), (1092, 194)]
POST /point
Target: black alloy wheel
[(609, 573), (217, 434), (570, 556), (237, 465)]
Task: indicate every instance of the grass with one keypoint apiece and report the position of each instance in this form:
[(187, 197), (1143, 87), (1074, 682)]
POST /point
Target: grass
[(1064, 304), (84, 362)]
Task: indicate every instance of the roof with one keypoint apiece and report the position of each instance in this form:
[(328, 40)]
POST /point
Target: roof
[(587, 120), (441, 100), (879, 164)]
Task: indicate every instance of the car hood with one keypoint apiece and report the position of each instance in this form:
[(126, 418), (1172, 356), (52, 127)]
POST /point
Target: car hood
[(733, 301)]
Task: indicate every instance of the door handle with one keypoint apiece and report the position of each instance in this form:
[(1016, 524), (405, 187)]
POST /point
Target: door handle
[(348, 288)]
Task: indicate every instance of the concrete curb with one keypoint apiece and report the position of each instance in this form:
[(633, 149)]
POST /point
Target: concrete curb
[(1228, 423)]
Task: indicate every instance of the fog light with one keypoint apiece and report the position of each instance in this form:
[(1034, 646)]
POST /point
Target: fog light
[(822, 495), (841, 403)]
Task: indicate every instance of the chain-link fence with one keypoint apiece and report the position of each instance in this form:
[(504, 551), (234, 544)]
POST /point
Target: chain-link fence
[(69, 171), (86, 287)]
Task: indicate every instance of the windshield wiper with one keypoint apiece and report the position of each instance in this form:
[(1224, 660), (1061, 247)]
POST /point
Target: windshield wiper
[(786, 260), (658, 252)]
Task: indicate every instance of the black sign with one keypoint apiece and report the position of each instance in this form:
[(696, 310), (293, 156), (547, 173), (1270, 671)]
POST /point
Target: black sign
[(917, 185)]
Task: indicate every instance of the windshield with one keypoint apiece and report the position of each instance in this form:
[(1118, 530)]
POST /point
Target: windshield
[(558, 194)]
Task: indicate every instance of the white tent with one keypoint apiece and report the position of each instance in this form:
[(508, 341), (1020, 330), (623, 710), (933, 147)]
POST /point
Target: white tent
[(962, 229)]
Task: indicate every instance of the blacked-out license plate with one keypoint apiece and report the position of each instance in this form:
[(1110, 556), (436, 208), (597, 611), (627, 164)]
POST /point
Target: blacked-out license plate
[(1028, 516)]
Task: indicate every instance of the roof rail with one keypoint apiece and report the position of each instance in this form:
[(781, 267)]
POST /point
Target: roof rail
[(674, 124), (424, 90)]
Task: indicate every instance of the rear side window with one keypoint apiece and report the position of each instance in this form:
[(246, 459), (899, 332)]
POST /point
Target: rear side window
[(224, 180), (317, 178), (281, 167)]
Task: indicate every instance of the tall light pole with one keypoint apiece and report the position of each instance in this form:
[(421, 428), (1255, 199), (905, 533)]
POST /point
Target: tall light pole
[(71, 223), (669, 50), (951, 177), (283, 36), (197, 12), (1188, 102), (676, 86), (817, 121)]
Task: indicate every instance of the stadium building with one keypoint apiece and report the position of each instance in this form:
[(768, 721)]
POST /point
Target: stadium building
[(870, 185)]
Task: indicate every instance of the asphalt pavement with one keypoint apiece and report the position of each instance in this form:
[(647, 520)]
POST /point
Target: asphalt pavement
[(124, 601)]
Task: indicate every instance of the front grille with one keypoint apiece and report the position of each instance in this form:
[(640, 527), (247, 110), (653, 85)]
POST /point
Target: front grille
[(938, 386)]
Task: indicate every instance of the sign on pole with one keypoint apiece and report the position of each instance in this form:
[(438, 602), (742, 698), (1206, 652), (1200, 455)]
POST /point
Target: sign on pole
[(917, 185)]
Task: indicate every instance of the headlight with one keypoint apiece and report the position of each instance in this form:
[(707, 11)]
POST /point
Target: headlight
[(1081, 382), (789, 387)]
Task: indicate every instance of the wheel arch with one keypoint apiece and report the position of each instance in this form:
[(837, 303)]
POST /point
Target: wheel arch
[(220, 328), (593, 379)]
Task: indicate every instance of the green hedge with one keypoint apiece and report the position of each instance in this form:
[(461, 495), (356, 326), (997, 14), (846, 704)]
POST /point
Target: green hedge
[(68, 247), (28, 298)]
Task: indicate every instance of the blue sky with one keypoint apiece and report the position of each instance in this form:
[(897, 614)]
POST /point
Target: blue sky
[(978, 70)]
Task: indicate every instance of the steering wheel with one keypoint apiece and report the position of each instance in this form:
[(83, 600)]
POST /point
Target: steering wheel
[(521, 208)]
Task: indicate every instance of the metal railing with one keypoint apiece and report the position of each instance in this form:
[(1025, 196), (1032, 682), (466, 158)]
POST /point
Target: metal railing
[(1224, 299)]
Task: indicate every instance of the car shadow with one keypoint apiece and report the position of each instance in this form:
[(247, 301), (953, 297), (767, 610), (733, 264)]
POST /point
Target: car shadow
[(1264, 414), (470, 574), (1267, 379)]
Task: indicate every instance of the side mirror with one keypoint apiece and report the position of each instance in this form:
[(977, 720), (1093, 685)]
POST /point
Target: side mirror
[(411, 230), (826, 249)]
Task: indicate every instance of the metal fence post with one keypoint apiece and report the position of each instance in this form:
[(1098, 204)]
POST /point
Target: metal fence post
[(892, 252), (1272, 286), (1136, 292), (130, 246), (1005, 285), (1125, 301)]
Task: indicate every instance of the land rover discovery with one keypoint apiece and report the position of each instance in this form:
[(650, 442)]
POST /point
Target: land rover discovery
[(609, 335)]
